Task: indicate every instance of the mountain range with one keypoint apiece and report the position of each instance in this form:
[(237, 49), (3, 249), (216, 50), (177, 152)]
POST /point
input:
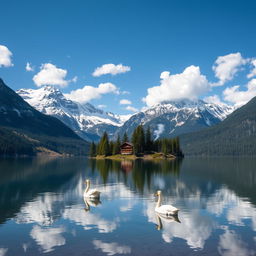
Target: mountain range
[(204, 128), (84, 119), (170, 119), (167, 119), (22, 126)]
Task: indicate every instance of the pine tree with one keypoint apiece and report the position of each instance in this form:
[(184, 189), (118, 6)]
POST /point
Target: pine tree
[(103, 147), (117, 144), (138, 140), (141, 139), (135, 142), (164, 146), (111, 147)]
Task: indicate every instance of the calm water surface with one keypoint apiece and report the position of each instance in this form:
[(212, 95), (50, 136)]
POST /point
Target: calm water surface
[(42, 210)]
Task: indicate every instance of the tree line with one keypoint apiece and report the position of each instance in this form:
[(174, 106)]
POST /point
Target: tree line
[(142, 141)]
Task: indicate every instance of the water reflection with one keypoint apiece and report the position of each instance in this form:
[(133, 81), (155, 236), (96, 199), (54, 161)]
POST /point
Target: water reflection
[(231, 244), (91, 202), (160, 219), (111, 248), (45, 197), (141, 172), (48, 238)]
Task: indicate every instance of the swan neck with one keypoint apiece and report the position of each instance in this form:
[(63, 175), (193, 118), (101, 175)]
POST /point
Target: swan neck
[(87, 187), (158, 204)]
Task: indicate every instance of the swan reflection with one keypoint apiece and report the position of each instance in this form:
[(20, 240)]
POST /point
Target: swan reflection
[(160, 219), (91, 203)]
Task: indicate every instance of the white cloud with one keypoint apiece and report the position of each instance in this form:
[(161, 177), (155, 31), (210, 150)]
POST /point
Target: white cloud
[(111, 248), (88, 92), (227, 66), (29, 67), (49, 74), (238, 97), (111, 69), (102, 106), (253, 71), (124, 92), (188, 84), (159, 131), (213, 99), (130, 108), (125, 102), (5, 57)]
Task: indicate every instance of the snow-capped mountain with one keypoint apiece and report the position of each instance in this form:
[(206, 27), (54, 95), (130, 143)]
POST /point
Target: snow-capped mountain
[(170, 119), (166, 119), (86, 120)]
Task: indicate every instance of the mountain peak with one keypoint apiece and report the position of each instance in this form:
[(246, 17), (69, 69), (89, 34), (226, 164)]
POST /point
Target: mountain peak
[(177, 117), (88, 121)]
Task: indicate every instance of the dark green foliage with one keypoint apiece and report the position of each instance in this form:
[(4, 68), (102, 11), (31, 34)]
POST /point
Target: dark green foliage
[(103, 146), (16, 143), (111, 147), (235, 136), (116, 148), (11, 144), (138, 140), (141, 144), (169, 146)]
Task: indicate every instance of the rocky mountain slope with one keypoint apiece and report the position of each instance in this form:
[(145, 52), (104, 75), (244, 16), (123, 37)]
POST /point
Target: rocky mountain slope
[(39, 130), (170, 119), (86, 120)]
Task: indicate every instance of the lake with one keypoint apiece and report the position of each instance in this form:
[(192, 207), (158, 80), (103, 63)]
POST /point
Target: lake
[(42, 210)]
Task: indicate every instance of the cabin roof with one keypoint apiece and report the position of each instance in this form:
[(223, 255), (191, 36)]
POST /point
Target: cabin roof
[(127, 143)]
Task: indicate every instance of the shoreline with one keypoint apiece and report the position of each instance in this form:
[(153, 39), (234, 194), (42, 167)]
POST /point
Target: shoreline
[(155, 156)]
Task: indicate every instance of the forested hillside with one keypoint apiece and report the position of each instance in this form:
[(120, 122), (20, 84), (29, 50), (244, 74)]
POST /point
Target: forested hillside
[(235, 136), (25, 131)]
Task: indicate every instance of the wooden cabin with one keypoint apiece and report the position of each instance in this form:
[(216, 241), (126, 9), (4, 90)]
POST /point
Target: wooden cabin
[(126, 148)]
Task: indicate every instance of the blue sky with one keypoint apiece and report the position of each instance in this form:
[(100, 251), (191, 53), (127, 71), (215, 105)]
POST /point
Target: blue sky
[(149, 37)]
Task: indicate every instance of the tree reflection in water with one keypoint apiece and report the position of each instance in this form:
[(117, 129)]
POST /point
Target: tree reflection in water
[(141, 171)]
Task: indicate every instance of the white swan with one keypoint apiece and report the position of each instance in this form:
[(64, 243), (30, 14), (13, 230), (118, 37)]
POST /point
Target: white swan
[(90, 193), (165, 210)]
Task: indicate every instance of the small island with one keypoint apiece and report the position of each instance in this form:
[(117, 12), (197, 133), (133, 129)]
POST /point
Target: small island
[(141, 146)]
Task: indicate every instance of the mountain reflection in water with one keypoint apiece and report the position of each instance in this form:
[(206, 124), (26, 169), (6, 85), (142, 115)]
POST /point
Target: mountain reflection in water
[(42, 209)]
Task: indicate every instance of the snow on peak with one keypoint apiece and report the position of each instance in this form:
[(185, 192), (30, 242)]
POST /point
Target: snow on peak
[(189, 107), (84, 117)]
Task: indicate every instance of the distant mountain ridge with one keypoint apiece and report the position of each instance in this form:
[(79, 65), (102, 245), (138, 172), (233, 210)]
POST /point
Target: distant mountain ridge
[(86, 120), (170, 119), (167, 119), (22, 120), (235, 136)]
